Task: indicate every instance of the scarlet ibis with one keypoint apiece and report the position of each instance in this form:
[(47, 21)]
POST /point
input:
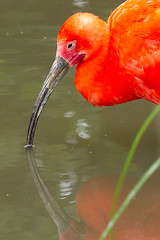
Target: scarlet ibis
[(117, 61)]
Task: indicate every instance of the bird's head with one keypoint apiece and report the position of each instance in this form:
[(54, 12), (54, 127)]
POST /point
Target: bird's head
[(79, 39)]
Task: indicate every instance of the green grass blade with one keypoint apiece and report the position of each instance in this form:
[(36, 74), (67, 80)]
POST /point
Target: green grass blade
[(130, 196), (129, 159)]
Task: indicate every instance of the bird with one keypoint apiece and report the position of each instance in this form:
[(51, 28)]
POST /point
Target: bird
[(117, 61)]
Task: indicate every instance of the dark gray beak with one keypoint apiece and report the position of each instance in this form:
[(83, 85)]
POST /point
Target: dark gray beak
[(59, 68)]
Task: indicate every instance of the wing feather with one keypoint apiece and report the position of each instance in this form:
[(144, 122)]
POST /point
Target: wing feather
[(135, 39)]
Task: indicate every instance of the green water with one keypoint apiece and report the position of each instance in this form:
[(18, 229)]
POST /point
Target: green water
[(74, 140)]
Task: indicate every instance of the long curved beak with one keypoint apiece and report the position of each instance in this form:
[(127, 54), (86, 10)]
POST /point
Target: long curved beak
[(59, 68)]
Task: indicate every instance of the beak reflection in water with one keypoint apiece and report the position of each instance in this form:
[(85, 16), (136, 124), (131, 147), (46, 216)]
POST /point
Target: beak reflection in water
[(59, 68)]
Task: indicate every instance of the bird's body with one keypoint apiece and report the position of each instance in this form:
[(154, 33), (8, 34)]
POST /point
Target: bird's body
[(135, 41), (117, 61)]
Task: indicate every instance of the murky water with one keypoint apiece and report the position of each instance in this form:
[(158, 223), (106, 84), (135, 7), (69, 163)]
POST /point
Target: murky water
[(74, 140)]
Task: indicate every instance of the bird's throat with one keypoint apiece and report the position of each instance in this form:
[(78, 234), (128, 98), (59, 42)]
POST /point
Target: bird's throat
[(100, 81)]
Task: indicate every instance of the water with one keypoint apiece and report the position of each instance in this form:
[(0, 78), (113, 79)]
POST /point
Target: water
[(74, 140)]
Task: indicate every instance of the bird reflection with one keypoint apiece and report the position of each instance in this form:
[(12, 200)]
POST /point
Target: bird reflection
[(140, 221), (68, 228)]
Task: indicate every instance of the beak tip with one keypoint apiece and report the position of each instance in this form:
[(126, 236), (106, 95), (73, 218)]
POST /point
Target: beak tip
[(28, 146)]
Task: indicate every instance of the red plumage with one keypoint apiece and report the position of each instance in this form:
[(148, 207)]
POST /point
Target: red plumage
[(122, 59)]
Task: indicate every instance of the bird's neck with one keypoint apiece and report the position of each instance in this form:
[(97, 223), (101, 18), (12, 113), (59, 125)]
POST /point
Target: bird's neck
[(101, 81)]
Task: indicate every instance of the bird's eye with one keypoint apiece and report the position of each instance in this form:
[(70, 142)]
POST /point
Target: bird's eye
[(71, 46)]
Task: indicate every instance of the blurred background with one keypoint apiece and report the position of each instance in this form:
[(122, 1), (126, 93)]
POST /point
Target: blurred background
[(74, 140)]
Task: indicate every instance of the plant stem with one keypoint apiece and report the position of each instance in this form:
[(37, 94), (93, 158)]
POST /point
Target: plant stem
[(130, 196)]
